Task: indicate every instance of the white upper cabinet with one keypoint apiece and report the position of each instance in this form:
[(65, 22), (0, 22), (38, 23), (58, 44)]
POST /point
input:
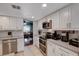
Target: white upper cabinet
[(65, 18), (75, 16), (55, 20), (15, 23), (19, 23), (4, 23), (10, 23)]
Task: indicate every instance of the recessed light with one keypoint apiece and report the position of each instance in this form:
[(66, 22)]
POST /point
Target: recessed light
[(33, 17), (44, 5)]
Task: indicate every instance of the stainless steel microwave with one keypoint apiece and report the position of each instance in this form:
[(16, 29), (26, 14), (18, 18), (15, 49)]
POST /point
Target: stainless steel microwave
[(46, 25)]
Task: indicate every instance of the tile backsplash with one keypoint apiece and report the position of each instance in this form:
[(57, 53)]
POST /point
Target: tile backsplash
[(74, 35), (14, 33)]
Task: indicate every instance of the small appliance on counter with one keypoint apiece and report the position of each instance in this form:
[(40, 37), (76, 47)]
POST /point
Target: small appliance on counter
[(39, 32), (65, 37), (9, 34), (48, 35), (56, 36), (47, 24), (74, 42)]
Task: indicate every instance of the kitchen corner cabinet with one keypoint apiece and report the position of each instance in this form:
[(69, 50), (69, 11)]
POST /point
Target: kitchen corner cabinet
[(10, 23), (56, 50)]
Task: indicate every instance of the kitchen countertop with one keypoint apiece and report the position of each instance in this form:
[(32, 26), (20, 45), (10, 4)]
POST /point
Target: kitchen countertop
[(65, 45), (5, 38)]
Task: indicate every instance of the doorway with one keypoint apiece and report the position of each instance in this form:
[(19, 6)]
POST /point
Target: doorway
[(28, 32)]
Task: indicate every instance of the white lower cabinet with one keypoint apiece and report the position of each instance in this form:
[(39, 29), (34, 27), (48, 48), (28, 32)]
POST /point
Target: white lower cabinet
[(36, 41), (20, 44), (55, 50), (51, 49), (0, 48), (64, 52), (8, 46)]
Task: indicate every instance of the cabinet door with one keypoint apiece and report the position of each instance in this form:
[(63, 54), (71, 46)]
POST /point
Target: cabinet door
[(19, 23), (12, 23), (64, 52), (75, 16), (20, 44), (4, 22), (64, 18), (36, 41), (51, 49), (13, 45), (55, 21), (5, 47)]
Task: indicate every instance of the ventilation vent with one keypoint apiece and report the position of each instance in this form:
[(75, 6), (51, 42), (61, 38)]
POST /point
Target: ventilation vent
[(16, 7)]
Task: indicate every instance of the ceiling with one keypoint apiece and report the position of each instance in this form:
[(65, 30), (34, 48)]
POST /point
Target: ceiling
[(36, 9)]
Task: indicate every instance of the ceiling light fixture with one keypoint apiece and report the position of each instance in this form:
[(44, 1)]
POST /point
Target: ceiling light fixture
[(44, 5), (33, 17)]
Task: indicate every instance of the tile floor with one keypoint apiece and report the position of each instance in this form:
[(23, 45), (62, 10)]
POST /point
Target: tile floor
[(30, 51)]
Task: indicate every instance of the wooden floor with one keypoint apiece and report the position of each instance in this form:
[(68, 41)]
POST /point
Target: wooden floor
[(30, 51)]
